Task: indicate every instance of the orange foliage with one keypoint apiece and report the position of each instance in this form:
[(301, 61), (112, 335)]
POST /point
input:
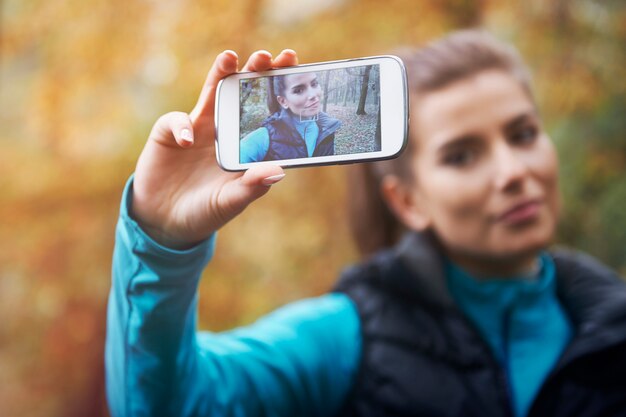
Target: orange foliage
[(81, 84)]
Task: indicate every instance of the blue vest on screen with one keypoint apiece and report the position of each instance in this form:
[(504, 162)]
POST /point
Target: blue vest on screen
[(286, 142)]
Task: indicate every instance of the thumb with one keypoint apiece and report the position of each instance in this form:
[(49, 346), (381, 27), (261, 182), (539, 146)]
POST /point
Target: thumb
[(263, 175), (254, 183)]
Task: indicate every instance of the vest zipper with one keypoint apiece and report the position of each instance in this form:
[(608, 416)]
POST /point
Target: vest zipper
[(504, 370), (502, 384)]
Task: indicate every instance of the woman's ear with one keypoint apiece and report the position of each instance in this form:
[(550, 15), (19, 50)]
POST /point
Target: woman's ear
[(404, 203), (282, 101)]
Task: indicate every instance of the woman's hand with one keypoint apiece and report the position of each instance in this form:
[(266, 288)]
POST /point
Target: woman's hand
[(180, 194)]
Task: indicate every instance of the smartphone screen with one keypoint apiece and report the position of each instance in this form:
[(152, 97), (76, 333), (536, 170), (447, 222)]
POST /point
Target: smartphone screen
[(310, 114), (335, 112)]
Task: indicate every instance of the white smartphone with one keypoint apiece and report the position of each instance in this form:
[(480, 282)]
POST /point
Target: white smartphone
[(315, 114)]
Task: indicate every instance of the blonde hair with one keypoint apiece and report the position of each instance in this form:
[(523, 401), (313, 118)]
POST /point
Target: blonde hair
[(442, 62)]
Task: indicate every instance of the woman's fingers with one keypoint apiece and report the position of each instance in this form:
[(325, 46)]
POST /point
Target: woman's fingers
[(225, 64), (180, 125), (173, 128), (262, 60), (286, 58), (258, 61)]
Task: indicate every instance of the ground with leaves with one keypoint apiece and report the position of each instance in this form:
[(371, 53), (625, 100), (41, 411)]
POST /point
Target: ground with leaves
[(357, 133)]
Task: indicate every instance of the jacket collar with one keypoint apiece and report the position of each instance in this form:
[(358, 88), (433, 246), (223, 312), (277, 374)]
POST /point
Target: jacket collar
[(593, 295), (327, 125), (419, 253), (595, 299)]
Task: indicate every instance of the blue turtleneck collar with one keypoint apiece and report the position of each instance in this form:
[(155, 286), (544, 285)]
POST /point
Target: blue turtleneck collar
[(522, 321)]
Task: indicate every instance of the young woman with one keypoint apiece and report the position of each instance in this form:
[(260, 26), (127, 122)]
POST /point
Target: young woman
[(297, 127), (468, 315)]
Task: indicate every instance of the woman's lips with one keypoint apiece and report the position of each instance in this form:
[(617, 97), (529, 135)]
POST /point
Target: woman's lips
[(521, 213)]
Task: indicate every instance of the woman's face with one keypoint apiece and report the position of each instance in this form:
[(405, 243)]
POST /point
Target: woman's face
[(485, 172), (302, 94)]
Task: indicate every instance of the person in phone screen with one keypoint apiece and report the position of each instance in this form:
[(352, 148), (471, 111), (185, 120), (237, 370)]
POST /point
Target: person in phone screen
[(297, 128), (458, 307)]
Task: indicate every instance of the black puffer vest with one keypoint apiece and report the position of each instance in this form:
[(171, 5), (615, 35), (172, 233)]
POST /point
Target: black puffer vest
[(422, 357), (286, 142)]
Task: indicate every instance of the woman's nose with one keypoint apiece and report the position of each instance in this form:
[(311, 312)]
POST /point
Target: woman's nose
[(511, 168)]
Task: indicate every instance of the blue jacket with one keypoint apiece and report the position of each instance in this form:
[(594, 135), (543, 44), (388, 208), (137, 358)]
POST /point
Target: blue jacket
[(286, 364), (306, 359)]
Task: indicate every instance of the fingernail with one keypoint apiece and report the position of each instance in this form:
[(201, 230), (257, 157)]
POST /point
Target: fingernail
[(288, 51), (229, 65), (185, 135), (273, 179)]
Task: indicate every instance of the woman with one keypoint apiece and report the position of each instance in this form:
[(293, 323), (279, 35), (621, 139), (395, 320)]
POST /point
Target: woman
[(297, 127), (468, 315)]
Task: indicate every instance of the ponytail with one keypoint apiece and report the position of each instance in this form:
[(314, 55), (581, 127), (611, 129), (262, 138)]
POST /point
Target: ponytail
[(372, 224), (275, 87)]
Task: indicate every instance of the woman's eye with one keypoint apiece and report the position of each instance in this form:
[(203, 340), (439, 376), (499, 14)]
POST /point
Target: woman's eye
[(297, 90), (524, 135), (314, 83), (460, 158)]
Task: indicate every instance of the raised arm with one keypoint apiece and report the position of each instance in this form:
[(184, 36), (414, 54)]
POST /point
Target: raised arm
[(288, 363)]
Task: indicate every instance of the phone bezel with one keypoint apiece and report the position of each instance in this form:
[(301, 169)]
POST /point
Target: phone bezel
[(394, 107)]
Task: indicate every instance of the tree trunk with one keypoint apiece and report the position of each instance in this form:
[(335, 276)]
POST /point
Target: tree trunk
[(325, 91), (364, 86), (377, 135)]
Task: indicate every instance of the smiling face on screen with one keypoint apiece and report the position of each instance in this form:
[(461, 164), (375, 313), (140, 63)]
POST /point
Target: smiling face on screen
[(302, 94)]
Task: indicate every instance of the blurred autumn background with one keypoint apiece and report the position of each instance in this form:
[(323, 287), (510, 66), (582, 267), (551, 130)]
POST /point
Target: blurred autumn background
[(81, 83)]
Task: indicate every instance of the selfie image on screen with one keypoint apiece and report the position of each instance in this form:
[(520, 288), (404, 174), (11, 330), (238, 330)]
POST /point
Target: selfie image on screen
[(330, 112)]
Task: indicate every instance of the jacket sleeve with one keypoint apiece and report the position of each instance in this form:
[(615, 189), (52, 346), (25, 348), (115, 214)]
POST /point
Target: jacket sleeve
[(254, 146), (299, 360)]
